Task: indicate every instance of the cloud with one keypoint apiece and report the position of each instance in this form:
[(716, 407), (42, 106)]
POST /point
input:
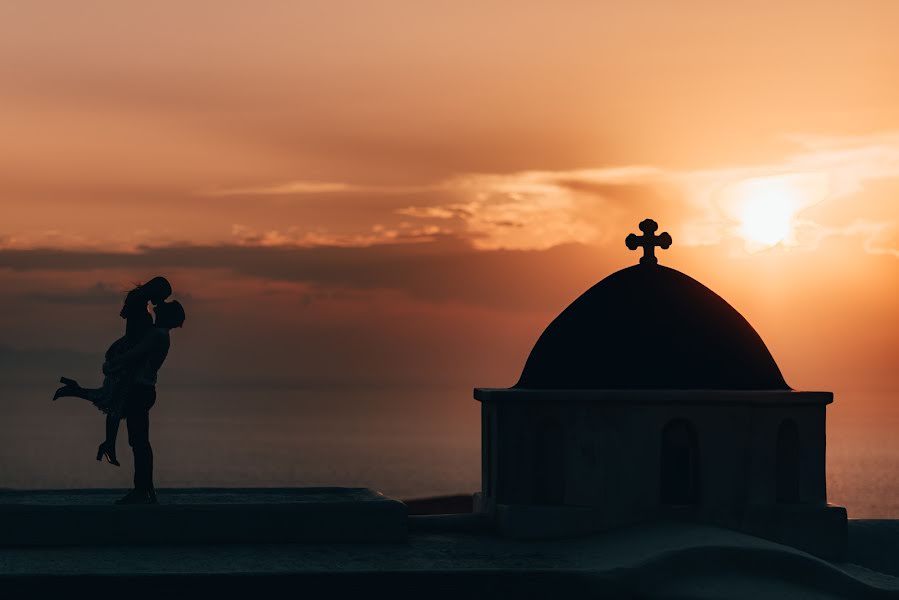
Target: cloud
[(446, 269), (450, 211), (832, 181), (540, 209), (47, 238), (99, 293), (877, 238), (289, 188), (301, 187), (379, 234)]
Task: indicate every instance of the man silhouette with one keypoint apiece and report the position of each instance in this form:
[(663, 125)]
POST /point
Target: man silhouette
[(146, 358)]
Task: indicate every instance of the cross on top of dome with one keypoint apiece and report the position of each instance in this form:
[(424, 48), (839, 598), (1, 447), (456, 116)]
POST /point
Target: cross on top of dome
[(649, 240)]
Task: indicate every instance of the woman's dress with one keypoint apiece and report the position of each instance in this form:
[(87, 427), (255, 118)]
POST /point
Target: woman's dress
[(110, 399)]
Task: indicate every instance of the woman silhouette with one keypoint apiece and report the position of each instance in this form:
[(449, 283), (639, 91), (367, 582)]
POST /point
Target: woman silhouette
[(110, 398)]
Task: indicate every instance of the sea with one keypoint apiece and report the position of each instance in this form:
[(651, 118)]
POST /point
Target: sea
[(405, 442)]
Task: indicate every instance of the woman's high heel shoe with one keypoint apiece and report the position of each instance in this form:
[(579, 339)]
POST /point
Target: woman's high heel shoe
[(68, 385), (109, 455)]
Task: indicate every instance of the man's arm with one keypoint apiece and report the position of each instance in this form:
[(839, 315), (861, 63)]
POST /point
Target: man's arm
[(148, 344)]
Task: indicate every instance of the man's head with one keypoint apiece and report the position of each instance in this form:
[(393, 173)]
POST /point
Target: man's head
[(169, 314)]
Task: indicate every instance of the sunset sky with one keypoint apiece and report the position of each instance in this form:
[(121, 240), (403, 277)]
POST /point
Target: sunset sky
[(406, 193)]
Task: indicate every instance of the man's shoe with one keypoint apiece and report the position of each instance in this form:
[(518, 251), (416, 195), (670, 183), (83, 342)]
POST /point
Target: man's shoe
[(137, 497)]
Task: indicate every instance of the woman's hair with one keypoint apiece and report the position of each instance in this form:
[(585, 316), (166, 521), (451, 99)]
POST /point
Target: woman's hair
[(135, 304), (136, 300), (157, 288)]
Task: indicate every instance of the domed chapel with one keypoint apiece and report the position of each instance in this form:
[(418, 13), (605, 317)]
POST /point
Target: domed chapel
[(650, 397)]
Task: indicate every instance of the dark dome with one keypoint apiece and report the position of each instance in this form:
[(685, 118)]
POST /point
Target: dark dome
[(650, 327)]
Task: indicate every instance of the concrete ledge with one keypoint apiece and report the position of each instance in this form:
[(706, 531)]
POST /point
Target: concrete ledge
[(820, 530), (874, 543), (535, 522), (199, 516)]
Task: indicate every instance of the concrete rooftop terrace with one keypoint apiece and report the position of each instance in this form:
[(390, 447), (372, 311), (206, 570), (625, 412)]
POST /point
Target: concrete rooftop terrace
[(200, 515), (437, 559)]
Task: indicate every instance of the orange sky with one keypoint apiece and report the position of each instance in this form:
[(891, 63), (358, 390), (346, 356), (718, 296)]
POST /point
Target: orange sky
[(408, 192)]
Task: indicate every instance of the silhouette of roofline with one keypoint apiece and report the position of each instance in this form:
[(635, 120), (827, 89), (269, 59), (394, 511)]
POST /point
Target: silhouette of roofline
[(656, 396), (650, 327)]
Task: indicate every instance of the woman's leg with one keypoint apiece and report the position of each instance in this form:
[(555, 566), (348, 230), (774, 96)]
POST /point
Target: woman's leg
[(112, 432), (72, 391)]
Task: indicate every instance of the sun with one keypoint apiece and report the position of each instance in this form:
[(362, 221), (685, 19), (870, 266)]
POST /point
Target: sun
[(767, 221), (766, 211)]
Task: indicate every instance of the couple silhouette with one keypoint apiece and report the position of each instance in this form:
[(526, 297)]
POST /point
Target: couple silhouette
[(129, 385)]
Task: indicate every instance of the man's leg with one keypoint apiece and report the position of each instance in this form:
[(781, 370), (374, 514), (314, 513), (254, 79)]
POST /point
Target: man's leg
[(139, 440)]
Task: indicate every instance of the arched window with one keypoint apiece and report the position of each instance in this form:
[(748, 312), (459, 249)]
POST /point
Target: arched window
[(549, 464), (679, 465), (788, 462)]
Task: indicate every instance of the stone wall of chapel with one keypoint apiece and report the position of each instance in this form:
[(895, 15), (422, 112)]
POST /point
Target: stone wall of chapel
[(612, 453)]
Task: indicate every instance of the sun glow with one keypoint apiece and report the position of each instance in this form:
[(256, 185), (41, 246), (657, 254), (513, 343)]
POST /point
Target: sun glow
[(767, 221), (767, 210)]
